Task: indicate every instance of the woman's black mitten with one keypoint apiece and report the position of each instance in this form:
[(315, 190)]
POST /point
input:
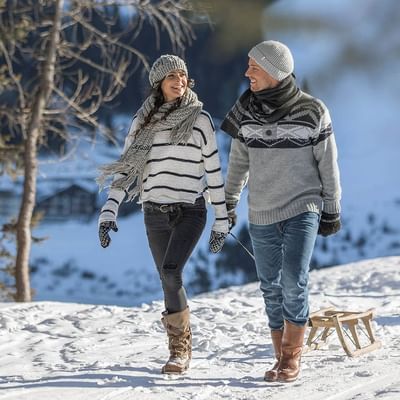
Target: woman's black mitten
[(217, 240), (104, 228)]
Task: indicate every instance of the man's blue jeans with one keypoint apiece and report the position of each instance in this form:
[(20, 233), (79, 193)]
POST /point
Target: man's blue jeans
[(283, 253)]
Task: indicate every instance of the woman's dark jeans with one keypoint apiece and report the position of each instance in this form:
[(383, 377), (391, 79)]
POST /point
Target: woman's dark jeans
[(173, 231)]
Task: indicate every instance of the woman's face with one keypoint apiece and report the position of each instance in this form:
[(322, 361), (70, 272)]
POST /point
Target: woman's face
[(174, 85)]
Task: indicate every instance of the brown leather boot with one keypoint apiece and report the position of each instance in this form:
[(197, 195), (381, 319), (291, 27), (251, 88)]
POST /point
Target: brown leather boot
[(272, 374), (292, 346), (177, 326)]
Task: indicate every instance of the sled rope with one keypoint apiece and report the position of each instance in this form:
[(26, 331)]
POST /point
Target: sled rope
[(244, 247)]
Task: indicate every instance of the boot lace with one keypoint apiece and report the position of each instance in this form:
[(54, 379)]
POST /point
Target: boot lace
[(179, 345)]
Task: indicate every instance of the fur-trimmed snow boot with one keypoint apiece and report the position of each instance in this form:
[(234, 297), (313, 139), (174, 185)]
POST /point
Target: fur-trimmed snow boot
[(292, 346), (271, 375), (177, 326)]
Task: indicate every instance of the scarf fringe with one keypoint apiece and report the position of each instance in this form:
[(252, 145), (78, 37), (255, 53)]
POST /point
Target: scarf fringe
[(182, 133)]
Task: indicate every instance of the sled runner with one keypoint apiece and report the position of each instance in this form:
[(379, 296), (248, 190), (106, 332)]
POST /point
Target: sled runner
[(349, 327)]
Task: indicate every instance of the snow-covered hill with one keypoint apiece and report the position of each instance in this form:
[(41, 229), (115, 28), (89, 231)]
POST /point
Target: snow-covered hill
[(72, 351)]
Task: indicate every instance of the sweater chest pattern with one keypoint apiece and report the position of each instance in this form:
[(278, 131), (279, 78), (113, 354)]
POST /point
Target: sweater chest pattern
[(307, 124), (284, 134)]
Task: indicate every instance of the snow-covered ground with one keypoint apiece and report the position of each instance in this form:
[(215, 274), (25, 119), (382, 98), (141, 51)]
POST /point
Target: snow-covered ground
[(53, 350)]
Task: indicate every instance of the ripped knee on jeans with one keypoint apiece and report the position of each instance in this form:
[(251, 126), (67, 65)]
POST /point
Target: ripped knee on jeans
[(171, 276)]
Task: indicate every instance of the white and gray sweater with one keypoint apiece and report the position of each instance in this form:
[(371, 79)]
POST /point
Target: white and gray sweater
[(179, 173), (290, 166)]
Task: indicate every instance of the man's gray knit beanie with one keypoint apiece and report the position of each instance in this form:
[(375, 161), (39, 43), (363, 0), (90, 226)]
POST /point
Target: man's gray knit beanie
[(163, 65), (273, 57)]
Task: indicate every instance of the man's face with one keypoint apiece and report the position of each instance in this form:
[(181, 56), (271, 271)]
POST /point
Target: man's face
[(259, 78)]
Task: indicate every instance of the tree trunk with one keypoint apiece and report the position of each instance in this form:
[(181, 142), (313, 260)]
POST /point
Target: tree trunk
[(24, 236)]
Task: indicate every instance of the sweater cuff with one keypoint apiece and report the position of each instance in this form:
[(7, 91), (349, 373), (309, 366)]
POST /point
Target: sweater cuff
[(221, 226), (331, 207), (109, 212), (231, 199)]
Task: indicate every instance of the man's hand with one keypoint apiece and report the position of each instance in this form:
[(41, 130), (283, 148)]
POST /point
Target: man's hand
[(104, 228), (232, 217), (329, 224)]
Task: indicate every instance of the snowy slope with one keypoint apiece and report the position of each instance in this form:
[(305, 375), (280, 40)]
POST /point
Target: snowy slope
[(67, 351)]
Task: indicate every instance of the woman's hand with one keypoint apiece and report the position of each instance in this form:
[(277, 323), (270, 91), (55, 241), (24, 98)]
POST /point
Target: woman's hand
[(104, 228), (217, 240)]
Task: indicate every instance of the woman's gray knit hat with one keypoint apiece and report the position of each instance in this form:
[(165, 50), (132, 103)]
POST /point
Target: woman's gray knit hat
[(163, 65), (273, 57)]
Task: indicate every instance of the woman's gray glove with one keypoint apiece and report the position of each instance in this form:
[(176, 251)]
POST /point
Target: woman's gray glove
[(104, 228), (217, 240)]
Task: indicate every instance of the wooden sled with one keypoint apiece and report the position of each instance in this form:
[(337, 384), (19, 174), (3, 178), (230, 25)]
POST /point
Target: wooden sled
[(348, 328)]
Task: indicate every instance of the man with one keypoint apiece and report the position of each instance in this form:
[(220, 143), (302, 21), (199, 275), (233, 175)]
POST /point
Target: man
[(284, 149)]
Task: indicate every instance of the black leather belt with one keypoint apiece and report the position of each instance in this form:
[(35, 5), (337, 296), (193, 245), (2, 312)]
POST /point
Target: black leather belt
[(170, 207)]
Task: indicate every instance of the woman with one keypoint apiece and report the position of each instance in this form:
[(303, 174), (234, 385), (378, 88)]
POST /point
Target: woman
[(170, 160)]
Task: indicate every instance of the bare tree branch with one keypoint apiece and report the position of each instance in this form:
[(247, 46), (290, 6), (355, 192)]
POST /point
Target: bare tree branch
[(21, 95), (78, 61), (112, 41)]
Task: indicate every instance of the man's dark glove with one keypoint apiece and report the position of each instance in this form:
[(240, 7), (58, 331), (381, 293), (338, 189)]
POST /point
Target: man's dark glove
[(104, 228), (232, 217), (217, 240), (329, 224)]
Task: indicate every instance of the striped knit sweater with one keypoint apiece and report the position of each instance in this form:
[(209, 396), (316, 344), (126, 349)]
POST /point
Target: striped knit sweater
[(179, 173), (290, 166)]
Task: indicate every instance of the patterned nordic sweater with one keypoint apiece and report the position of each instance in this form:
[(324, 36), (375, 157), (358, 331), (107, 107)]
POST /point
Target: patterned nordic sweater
[(289, 166), (179, 173)]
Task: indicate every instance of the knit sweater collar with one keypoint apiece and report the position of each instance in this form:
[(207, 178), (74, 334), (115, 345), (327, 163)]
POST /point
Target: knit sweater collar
[(265, 106)]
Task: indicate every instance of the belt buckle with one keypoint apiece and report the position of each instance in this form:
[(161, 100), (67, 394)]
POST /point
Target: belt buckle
[(164, 208)]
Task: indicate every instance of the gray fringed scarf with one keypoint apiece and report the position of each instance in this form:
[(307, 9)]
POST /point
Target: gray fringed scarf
[(131, 164)]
